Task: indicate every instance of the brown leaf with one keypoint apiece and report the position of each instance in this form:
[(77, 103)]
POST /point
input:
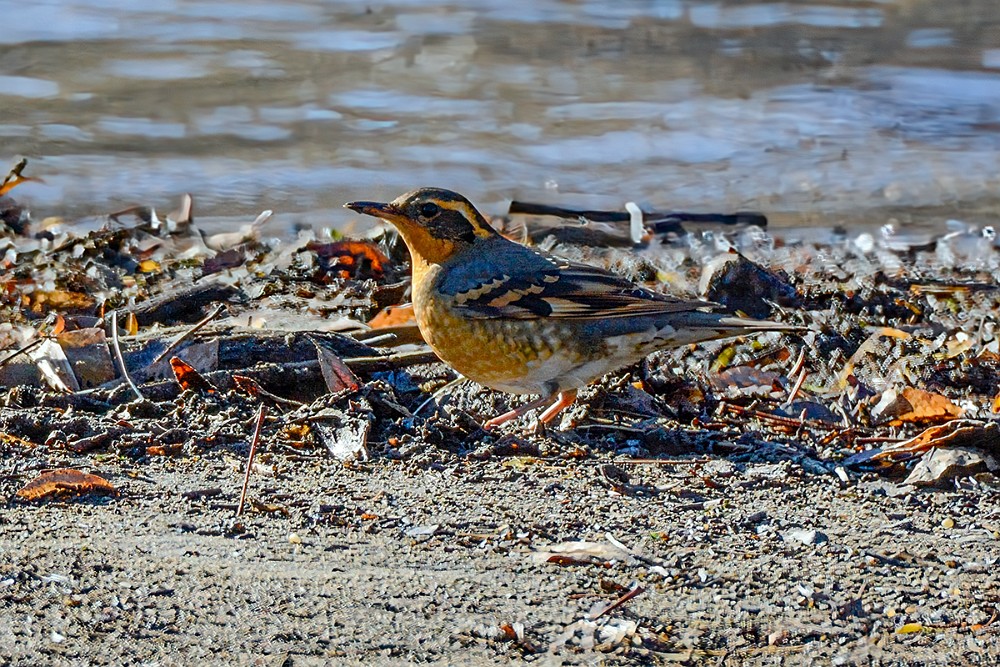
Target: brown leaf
[(247, 385), (956, 433), (165, 450), (65, 482), (926, 407), (188, 378), (336, 374)]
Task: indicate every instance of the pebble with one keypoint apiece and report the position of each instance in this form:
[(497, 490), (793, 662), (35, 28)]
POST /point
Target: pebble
[(808, 537)]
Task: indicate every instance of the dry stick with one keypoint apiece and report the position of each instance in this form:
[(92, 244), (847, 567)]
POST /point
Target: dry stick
[(666, 462), (392, 361), (121, 359), (26, 348), (437, 394), (633, 592), (798, 385), (798, 363), (374, 341), (253, 451), (190, 332)]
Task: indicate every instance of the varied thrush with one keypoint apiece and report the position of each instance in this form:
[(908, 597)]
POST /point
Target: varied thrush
[(518, 320)]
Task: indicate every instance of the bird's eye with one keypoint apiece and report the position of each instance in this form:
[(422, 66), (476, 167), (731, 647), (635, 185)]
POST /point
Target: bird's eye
[(429, 210)]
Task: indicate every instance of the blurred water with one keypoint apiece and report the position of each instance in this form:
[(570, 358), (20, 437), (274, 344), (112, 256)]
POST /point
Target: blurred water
[(814, 112)]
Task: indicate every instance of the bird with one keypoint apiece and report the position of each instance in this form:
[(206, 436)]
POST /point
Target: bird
[(519, 320)]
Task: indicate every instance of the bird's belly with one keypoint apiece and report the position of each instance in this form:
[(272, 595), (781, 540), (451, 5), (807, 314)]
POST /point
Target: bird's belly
[(522, 356), (499, 354)]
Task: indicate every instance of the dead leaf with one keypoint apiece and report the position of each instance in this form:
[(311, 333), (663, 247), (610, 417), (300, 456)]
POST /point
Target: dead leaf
[(925, 407), (131, 324), (165, 450), (8, 440), (393, 316), (65, 482), (869, 346), (350, 259), (745, 377), (148, 266), (956, 433), (941, 465), (909, 628), (188, 378), (583, 553), (336, 374), (248, 386), (89, 356), (54, 366), (41, 302)]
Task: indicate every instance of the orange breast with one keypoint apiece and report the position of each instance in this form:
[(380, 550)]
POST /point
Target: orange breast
[(495, 353), (489, 352)]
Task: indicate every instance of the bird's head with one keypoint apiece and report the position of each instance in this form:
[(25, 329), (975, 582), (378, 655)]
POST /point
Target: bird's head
[(434, 223)]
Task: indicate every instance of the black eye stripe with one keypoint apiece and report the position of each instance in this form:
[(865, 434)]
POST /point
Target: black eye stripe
[(429, 210)]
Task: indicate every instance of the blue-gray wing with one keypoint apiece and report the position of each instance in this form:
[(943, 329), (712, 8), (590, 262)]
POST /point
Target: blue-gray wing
[(517, 282)]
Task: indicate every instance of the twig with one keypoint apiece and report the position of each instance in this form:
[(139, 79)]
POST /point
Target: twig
[(666, 462), (798, 362), (375, 341), (798, 385), (776, 420), (632, 592), (258, 390), (120, 358), (190, 332), (437, 394), (26, 348), (261, 413), (392, 361)]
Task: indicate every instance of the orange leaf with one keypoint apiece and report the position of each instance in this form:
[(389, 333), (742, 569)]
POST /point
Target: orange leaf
[(188, 378), (165, 450), (61, 300), (63, 483), (350, 259), (926, 406), (393, 316), (132, 324), (956, 433)]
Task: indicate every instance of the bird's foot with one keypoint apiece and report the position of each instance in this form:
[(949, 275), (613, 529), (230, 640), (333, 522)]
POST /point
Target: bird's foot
[(563, 400)]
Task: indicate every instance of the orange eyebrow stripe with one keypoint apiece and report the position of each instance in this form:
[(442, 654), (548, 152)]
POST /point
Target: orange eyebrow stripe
[(469, 213)]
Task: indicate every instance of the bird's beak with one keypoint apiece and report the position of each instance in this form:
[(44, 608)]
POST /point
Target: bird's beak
[(387, 212)]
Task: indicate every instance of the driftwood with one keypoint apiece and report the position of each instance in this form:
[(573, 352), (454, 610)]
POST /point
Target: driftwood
[(657, 222), (185, 304)]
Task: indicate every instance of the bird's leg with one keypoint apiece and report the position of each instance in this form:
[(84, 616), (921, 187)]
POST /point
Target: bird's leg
[(517, 412), (566, 399)]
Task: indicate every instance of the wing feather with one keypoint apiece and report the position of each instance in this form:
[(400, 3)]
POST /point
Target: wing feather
[(535, 285)]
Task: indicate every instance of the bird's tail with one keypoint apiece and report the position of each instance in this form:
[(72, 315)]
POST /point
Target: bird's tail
[(698, 326)]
